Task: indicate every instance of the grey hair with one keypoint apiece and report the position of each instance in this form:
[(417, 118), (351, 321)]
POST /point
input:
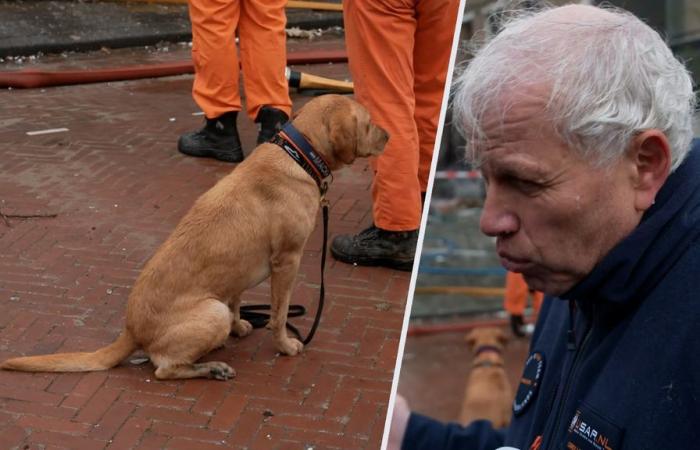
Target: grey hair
[(610, 76)]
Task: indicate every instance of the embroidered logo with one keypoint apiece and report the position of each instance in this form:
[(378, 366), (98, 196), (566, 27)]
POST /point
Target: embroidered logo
[(591, 431), (529, 382), (292, 152)]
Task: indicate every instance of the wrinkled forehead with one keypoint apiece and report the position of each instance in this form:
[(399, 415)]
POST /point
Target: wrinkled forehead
[(516, 114)]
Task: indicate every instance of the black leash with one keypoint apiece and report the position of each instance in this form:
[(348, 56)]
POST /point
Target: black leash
[(258, 319), (298, 148)]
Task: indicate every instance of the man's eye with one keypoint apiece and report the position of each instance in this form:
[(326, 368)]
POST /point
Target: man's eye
[(526, 186)]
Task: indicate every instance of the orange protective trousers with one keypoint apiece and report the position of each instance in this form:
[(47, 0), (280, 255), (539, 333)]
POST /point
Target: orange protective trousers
[(263, 55), (399, 52), (515, 299)]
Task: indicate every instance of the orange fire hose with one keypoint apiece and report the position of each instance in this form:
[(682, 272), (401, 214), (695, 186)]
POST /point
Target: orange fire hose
[(294, 4), (37, 78)]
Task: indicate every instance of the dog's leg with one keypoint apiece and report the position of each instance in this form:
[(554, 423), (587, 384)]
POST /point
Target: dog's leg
[(189, 336), (284, 272), (239, 327)]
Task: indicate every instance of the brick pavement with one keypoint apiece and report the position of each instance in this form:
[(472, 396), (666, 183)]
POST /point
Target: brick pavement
[(118, 187)]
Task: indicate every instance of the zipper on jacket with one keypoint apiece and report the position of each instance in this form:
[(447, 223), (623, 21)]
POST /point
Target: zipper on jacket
[(573, 370), (570, 333)]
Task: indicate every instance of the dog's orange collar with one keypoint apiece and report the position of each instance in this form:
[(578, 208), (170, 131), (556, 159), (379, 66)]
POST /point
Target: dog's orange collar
[(487, 348), (300, 149)]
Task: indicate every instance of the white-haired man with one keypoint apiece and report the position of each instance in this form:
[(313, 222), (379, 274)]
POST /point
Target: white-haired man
[(580, 119)]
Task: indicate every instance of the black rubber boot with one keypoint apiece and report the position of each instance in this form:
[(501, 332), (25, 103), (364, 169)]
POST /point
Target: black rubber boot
[(269, 121), (218, 139), (377, 247)]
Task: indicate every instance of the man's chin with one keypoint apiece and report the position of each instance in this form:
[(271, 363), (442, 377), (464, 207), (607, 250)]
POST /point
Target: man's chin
[(550, 285)]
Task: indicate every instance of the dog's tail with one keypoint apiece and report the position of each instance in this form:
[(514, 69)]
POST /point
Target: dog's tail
[(102, 359)]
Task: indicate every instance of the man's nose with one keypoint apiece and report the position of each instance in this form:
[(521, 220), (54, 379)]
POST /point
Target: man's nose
[(497, 218)]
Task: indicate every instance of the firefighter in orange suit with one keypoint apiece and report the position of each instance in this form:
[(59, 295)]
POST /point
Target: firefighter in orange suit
[(263, 57), (515, 301), (398, 54)]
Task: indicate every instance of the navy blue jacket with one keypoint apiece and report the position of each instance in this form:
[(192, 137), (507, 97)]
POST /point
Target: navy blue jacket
[(619, 354)]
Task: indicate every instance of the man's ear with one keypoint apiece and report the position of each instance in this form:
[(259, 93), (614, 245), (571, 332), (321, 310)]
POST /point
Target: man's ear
[(650, 154)]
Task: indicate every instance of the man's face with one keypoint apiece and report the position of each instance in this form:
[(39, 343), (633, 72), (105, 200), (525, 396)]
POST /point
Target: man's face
[(554, 214)]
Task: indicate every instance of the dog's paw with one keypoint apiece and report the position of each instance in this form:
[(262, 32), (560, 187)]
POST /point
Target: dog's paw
[(241, 328), (290, 346), (220, 371)]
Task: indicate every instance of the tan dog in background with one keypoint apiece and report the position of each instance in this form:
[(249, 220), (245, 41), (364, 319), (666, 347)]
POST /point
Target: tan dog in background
[(488, 394), (253, 224)]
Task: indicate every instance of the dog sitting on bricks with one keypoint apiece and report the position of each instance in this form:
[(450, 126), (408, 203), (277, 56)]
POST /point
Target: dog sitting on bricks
[(488, 394), (253, 224)]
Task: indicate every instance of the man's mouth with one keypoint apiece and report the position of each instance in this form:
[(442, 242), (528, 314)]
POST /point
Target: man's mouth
[(514, 264)]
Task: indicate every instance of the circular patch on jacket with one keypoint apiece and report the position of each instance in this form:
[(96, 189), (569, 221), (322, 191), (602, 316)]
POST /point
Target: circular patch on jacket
[(529, 383)]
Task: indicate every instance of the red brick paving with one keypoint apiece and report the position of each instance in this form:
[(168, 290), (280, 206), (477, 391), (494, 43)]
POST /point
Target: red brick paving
[(118, 187)]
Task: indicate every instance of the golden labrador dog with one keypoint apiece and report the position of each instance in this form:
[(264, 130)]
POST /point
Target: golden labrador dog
[(488, 393), (253, 224)]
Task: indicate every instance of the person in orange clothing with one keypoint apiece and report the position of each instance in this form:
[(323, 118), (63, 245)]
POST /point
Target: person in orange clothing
[(515, 301), (398, 57), (263, 57)]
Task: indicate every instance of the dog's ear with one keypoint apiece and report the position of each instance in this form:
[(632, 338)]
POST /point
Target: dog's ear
[(502, 338), (470, 339), (344, 134)]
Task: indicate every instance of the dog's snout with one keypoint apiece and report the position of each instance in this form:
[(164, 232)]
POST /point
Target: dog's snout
[(383, 135), (383, 132), (379, 137)]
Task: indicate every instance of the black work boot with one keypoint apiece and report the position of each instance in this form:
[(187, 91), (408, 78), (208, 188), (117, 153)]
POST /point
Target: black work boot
[(218, 139), (517, 325), (269, 121), (377, 247)]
